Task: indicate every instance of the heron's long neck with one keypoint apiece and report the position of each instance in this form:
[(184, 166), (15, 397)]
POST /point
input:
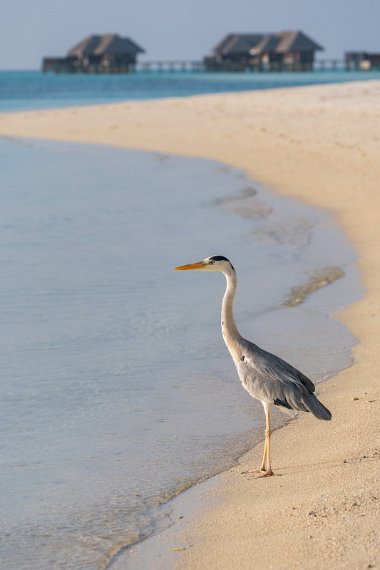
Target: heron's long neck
[(229, 329)]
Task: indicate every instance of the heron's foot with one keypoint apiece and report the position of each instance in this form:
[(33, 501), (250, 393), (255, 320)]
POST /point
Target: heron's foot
[(268, 473), (263, 472), (252, 471)]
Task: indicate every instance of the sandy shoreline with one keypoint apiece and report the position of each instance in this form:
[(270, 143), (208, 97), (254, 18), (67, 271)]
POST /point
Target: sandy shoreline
[(322, 145)]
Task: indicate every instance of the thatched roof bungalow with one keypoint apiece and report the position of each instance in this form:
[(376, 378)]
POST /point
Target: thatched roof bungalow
[(288, 50), (107, 53), (362, 60)]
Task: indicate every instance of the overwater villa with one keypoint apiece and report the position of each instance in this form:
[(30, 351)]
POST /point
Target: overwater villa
[(280, 51), (362, 60), (107, 53)]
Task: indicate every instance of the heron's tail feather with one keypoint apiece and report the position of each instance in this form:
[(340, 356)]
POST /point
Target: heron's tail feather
[(316, 407)]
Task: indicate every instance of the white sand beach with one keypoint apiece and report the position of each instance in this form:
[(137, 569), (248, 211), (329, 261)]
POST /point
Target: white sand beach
[(320, 145)]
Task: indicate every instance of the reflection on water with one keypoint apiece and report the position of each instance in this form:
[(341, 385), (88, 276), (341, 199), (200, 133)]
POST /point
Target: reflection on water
[(116, 388)]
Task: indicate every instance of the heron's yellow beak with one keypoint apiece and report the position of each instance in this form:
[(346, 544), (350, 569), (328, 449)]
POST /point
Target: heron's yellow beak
[(198, 265)]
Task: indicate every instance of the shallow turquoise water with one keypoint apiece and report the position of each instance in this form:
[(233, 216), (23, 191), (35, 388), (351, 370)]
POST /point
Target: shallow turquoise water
[(116, 388), (23, 90)]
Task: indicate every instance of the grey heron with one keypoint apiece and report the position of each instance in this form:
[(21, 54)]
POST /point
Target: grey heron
[(265, 376)]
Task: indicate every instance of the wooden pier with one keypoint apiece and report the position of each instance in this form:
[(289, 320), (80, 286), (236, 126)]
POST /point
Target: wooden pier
[(170, 66), (65, 65), (175, 66)]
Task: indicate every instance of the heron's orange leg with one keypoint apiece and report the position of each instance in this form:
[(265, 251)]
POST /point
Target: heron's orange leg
[(264, 459), (266, 464)]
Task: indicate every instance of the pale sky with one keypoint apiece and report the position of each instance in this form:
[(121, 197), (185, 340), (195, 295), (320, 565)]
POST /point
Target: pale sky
[(179, 29)]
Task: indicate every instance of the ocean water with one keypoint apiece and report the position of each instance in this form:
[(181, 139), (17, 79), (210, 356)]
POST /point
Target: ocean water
[(117, 391), (26, 90)]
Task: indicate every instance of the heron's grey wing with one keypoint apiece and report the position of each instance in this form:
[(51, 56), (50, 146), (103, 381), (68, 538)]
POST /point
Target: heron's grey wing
[(271, 379), (274, 367)]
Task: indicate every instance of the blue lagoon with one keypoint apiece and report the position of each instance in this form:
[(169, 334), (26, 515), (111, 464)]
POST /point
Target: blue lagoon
[(27, 90)]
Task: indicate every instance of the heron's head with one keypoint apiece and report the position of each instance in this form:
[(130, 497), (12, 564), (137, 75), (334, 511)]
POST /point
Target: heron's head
[(213, 263)]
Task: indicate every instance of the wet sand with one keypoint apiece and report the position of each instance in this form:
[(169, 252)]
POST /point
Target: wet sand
[(321, 145)]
